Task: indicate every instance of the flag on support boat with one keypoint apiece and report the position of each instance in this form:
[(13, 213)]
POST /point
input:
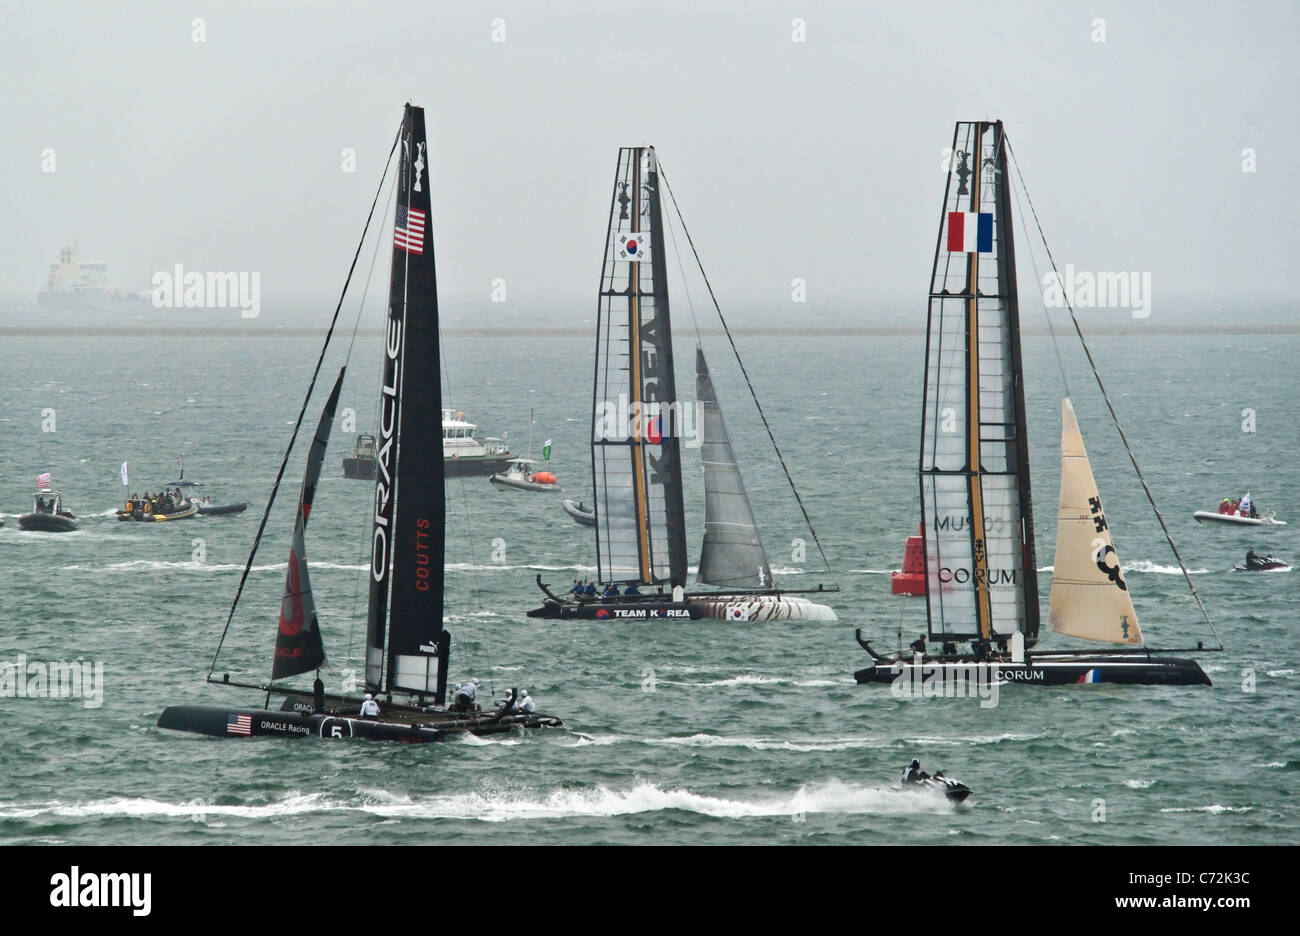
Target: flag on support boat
[(632, 246), (409, 235), (43, 480), (969, 232), (125, 483), (546, 450)]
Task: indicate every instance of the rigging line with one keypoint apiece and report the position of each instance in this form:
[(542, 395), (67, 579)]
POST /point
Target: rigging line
[(1038, 280), (1113, 415), (365, 517), (475, 588), (302, 412), (736, 351), (686, 286)]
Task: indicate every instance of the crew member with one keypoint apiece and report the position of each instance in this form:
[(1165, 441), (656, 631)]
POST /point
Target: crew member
[(611, 590), (577, 587), (632, 590), (318, 694), (511, 705), (369, 708), (526, 705), (590, 590), (917, 645), (463, 700), (914, 773)]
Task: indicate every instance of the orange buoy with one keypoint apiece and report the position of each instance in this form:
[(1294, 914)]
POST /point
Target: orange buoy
[(543, 477)]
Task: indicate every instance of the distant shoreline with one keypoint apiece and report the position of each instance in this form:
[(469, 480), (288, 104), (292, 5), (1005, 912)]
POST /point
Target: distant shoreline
[(159, 331)]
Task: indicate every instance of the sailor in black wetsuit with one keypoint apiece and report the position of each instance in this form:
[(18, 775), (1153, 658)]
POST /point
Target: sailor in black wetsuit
[(914, 773), (1252, 560)]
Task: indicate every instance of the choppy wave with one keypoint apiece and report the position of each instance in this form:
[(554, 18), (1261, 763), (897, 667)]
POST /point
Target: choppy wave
[(1213, 809), (828, 797)]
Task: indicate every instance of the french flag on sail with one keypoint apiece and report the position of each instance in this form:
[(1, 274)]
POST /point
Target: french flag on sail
[(969, 232)]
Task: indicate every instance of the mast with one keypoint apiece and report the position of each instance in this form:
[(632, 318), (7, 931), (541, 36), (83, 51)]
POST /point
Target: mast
[(407, 548), (977, 522), (636, 458), (298, 646)]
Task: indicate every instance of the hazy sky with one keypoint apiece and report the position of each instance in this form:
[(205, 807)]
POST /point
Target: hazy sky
[(818, 159)]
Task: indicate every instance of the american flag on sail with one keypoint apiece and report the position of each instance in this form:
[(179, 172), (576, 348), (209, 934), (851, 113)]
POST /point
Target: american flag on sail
[(409, 235), (239, 724), (43, 480)]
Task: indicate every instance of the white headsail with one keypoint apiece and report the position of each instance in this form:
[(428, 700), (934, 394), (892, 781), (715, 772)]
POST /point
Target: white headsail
[(1090, 598)]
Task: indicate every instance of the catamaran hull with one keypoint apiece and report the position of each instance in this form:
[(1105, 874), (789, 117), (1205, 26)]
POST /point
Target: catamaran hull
[(738, 609), (1208, 516), (1144, 671), (218, 721)]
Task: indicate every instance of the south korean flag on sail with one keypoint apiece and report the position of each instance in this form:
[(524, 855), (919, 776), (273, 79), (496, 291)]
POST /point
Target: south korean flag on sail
[(631, 245)]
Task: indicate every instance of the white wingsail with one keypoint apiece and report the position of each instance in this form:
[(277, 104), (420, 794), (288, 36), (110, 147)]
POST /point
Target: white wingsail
[(1090, 598)]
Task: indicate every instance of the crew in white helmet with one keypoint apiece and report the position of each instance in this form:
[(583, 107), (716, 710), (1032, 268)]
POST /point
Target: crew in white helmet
[(463, 699), (526, 704), (511, 704), (369, 708)]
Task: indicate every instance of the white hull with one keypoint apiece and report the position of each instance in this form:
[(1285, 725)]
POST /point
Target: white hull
[(1207, 516), (765, 608)]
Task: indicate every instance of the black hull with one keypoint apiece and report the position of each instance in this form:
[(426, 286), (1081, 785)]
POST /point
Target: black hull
[(1135, 670), (47, 523), (621, 610), (359, 469), (475, 467), (218, 510), (363, 469), (219, 721)]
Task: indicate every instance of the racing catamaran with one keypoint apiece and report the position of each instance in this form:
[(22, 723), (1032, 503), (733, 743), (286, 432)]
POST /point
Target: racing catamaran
[(636, 451), (407, 646), (977, 519)]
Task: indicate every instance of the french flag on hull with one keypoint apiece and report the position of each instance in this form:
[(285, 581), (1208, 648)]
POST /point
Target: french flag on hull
[(969, 232), (1092, 676)]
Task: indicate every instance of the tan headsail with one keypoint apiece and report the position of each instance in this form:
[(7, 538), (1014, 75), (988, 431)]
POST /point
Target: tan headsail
[(1090, 598)]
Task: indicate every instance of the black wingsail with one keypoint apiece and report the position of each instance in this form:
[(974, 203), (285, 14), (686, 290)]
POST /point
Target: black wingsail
[(408, 537), (636, 457), (298, 647)]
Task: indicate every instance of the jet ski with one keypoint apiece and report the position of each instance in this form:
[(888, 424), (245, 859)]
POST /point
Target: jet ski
[(1255, 563), (954, 790)]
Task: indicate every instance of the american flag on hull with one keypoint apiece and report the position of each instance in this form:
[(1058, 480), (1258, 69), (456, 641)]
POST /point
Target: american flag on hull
[(409, 235), (239, 724)]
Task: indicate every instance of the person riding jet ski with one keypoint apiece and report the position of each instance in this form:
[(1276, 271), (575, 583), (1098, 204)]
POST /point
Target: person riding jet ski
[(914, 773)]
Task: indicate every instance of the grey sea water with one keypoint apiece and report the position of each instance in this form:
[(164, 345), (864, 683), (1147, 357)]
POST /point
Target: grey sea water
[(752, 733)]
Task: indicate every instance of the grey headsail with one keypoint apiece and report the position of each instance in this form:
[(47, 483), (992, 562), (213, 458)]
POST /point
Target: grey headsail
[(636, 457), (732, 555), (977, 520), (298, 647), (408, 524)]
